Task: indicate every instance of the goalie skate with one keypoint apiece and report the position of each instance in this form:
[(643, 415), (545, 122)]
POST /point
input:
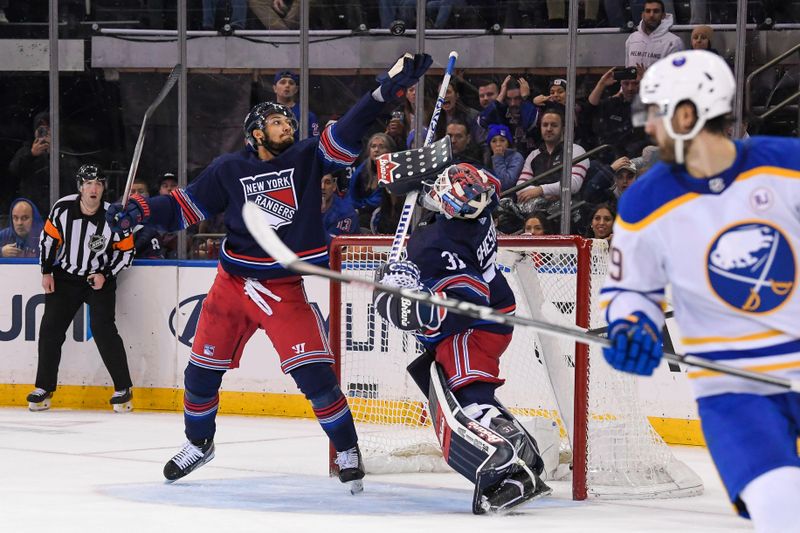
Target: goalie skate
[(191, 457), (351, 469), (39, 400), (515, 490), (121, 400)]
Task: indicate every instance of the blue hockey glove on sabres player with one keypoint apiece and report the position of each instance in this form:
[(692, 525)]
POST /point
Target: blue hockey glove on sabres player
[(403, 74), (124, 218), (636, 344), (405, 314)]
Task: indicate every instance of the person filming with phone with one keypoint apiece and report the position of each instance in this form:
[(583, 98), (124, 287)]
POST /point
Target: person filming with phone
[(610, 116)]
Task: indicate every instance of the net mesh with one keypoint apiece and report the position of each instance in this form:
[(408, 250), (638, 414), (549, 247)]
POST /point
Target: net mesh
[(625, 456)]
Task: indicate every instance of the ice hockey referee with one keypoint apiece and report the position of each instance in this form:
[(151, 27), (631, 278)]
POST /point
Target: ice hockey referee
[(80, 259)]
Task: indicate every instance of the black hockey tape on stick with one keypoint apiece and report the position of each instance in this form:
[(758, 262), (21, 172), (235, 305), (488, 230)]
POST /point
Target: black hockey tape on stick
[(259, 227), (403, 172), (137, 151)]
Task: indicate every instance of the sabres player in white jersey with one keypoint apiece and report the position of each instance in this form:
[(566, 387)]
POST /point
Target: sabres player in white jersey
[(454, 255), (719, 221)]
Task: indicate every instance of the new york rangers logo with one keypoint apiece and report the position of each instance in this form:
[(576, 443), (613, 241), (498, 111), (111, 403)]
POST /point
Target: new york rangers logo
[(274, 194), (752, 267)]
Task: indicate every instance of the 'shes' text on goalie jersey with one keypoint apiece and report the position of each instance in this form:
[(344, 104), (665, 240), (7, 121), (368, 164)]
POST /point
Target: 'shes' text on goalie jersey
[(728, 246), (457, 257)]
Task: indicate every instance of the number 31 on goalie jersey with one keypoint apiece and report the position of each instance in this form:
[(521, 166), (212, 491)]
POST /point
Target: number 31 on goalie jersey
[(453, 261)]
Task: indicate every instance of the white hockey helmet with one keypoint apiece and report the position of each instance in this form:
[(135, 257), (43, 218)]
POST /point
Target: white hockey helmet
[(460, 191), (697, 76)]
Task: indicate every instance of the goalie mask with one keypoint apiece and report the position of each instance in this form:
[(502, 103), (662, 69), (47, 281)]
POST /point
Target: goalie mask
[(256, 119), (461, 191)]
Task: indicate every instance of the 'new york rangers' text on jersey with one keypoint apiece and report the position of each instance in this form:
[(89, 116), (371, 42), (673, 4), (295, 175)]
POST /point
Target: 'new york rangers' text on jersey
[(286, 187), (728, 247), (457, 257)]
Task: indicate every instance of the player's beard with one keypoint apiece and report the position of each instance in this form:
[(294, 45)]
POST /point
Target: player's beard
[(666, 149), (279, 147)]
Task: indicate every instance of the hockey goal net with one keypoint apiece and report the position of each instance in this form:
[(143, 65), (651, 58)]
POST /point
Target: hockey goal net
[(584, 415)]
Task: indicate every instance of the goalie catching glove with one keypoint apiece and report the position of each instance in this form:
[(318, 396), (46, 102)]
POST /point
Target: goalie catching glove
[(636, 344), (404, 313), (403, 74)]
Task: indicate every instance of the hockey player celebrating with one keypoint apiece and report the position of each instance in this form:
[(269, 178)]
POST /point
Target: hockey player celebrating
[(455, 255), (718, 220), (254, 291)]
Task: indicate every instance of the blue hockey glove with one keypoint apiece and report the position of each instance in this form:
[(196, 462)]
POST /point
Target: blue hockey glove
[(123, 219), (636, 345), (403, 313), (402, 75)]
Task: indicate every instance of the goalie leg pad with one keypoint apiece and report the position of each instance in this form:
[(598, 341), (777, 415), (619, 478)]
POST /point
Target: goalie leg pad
[(482, 455)]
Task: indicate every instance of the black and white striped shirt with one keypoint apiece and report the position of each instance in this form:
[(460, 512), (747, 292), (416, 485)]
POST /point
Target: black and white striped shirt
[(82, 244)]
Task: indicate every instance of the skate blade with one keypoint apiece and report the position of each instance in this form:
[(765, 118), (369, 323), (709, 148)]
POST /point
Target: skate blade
[(40, 406), (168, 481), (356, 486), (487, 507), (123, 407)]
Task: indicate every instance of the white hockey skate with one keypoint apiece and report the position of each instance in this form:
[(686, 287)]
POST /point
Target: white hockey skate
[(351, 469), (121, 400), (39, 400)]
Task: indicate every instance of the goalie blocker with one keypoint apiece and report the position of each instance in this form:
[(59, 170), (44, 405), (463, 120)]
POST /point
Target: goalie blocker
[(502, 460), (403, 172)]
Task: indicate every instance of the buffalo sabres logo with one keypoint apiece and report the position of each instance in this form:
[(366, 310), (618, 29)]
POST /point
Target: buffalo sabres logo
[(274, 194), (751, 266), (97, 243)]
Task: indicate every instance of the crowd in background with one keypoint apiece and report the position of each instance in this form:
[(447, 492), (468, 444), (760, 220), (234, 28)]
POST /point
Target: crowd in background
[(511, 124)]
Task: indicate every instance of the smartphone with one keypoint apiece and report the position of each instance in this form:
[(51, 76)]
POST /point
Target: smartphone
[(625, 73), (42, 132), (398, 115)]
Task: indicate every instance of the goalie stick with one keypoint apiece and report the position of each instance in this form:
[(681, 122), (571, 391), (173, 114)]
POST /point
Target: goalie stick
[(137, 151), (411, 198), (259, 227)]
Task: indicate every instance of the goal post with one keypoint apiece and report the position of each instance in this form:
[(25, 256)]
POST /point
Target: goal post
[(585, 415)]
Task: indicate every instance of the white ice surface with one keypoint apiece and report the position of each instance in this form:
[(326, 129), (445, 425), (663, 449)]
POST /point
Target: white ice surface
[(88, 471)]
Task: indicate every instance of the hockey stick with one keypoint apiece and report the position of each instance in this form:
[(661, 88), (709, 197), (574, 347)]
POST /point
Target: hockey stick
[(265, 236), (137, 151), (411, 198)]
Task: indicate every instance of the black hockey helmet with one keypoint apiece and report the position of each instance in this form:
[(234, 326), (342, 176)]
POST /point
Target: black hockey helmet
[(89, 173), (256, 119)]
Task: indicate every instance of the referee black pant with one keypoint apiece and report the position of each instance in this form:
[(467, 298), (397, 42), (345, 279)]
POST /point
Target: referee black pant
[(60, 307)]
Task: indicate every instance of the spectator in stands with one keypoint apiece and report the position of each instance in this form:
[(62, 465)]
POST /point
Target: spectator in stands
[(652, 40), (363, 193), (277, 14), (286, 86), (701, 38), (455, 109), (238, 13), (537, 224), (464, 150), (648, 158), (402, 120), (487, 94), (21, 237), (139, 186), (386, 217), (557, 93), (602, 226), (338, 216), (548, 155), (637, 8), (512, 108), (610, 117), (439, 11), (607, 182), (505, 163), (167, 184)]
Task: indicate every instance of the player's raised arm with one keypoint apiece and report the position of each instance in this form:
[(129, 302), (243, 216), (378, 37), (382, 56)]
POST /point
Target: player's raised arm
[(340, 143)]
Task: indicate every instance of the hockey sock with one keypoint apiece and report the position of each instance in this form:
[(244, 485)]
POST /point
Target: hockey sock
[(201, 401), (318, 383)]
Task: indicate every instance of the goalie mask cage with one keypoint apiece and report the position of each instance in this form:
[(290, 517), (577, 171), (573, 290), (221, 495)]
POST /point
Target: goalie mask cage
[(585, 415)]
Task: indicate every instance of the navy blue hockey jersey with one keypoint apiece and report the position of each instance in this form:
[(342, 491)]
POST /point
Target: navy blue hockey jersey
[(287, 188), (457, 257)]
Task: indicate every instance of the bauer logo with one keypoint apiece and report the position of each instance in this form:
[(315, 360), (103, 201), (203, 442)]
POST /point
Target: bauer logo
[(752, 267), (274, 194)]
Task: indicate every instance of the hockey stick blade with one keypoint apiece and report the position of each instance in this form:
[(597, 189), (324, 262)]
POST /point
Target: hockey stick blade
[(257, 223), (137, 151)]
